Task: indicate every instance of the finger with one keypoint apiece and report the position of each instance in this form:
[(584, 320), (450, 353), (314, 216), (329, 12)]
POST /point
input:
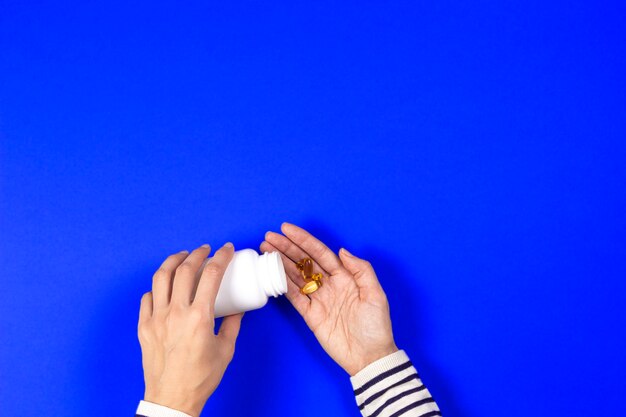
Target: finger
[(162, 279), (299, 301), (294, 274), (288, 262), (229, 329), (292, 270), (293, 252), (286, 246), (318, 251), (145, 310), (362, 270), (212, 275), (185, 277)]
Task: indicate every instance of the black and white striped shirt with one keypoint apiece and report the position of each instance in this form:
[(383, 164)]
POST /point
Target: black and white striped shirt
[(389, 387)]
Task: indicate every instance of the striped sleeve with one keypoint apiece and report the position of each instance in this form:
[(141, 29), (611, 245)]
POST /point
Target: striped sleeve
[(391, 387)]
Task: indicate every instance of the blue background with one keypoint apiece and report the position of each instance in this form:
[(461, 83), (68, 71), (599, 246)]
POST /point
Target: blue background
[(473, 151)]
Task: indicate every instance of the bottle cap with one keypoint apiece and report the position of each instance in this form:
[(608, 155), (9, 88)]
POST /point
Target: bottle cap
[(272, 274)]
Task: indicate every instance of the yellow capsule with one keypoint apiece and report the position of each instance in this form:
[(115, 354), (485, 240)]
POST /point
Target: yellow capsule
[(314, 277), (310, 287), (317, 277), (307, 267), (300, 264)]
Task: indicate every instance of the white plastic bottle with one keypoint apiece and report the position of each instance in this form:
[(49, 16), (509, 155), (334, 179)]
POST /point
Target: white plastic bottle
[(250, 279)]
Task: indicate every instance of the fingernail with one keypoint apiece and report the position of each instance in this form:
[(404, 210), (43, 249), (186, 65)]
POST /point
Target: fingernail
[(228, 245), (345, 251), (184, 251), (206, 246), (267, 233)]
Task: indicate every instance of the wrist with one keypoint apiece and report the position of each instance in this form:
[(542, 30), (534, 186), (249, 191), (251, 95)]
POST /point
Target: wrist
[(370, 357)]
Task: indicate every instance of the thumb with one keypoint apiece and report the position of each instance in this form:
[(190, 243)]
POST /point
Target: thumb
[(361, 269), (229, 329)]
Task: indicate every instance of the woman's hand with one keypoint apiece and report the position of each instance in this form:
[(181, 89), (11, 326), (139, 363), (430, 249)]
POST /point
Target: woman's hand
[(183, 359), (349, 314)]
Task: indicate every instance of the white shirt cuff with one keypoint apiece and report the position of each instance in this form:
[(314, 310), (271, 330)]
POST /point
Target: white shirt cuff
[(149, 409)]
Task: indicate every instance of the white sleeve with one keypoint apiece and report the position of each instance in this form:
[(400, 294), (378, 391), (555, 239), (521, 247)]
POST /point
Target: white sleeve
[(391, 387), (148, 409)]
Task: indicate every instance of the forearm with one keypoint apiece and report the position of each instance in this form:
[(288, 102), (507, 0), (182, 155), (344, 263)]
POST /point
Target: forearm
[(390, 387)]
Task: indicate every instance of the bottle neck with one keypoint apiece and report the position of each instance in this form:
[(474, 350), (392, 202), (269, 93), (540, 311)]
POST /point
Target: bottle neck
[(271, 273)]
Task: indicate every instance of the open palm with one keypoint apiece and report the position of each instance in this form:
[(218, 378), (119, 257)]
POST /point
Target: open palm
[(349, 314)]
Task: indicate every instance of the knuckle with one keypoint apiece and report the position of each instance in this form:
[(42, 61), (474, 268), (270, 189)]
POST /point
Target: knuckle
[(144, 331), (318, 247), (196, 315), (184, 268), (161, 274), (177, 310), (213, 269)]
